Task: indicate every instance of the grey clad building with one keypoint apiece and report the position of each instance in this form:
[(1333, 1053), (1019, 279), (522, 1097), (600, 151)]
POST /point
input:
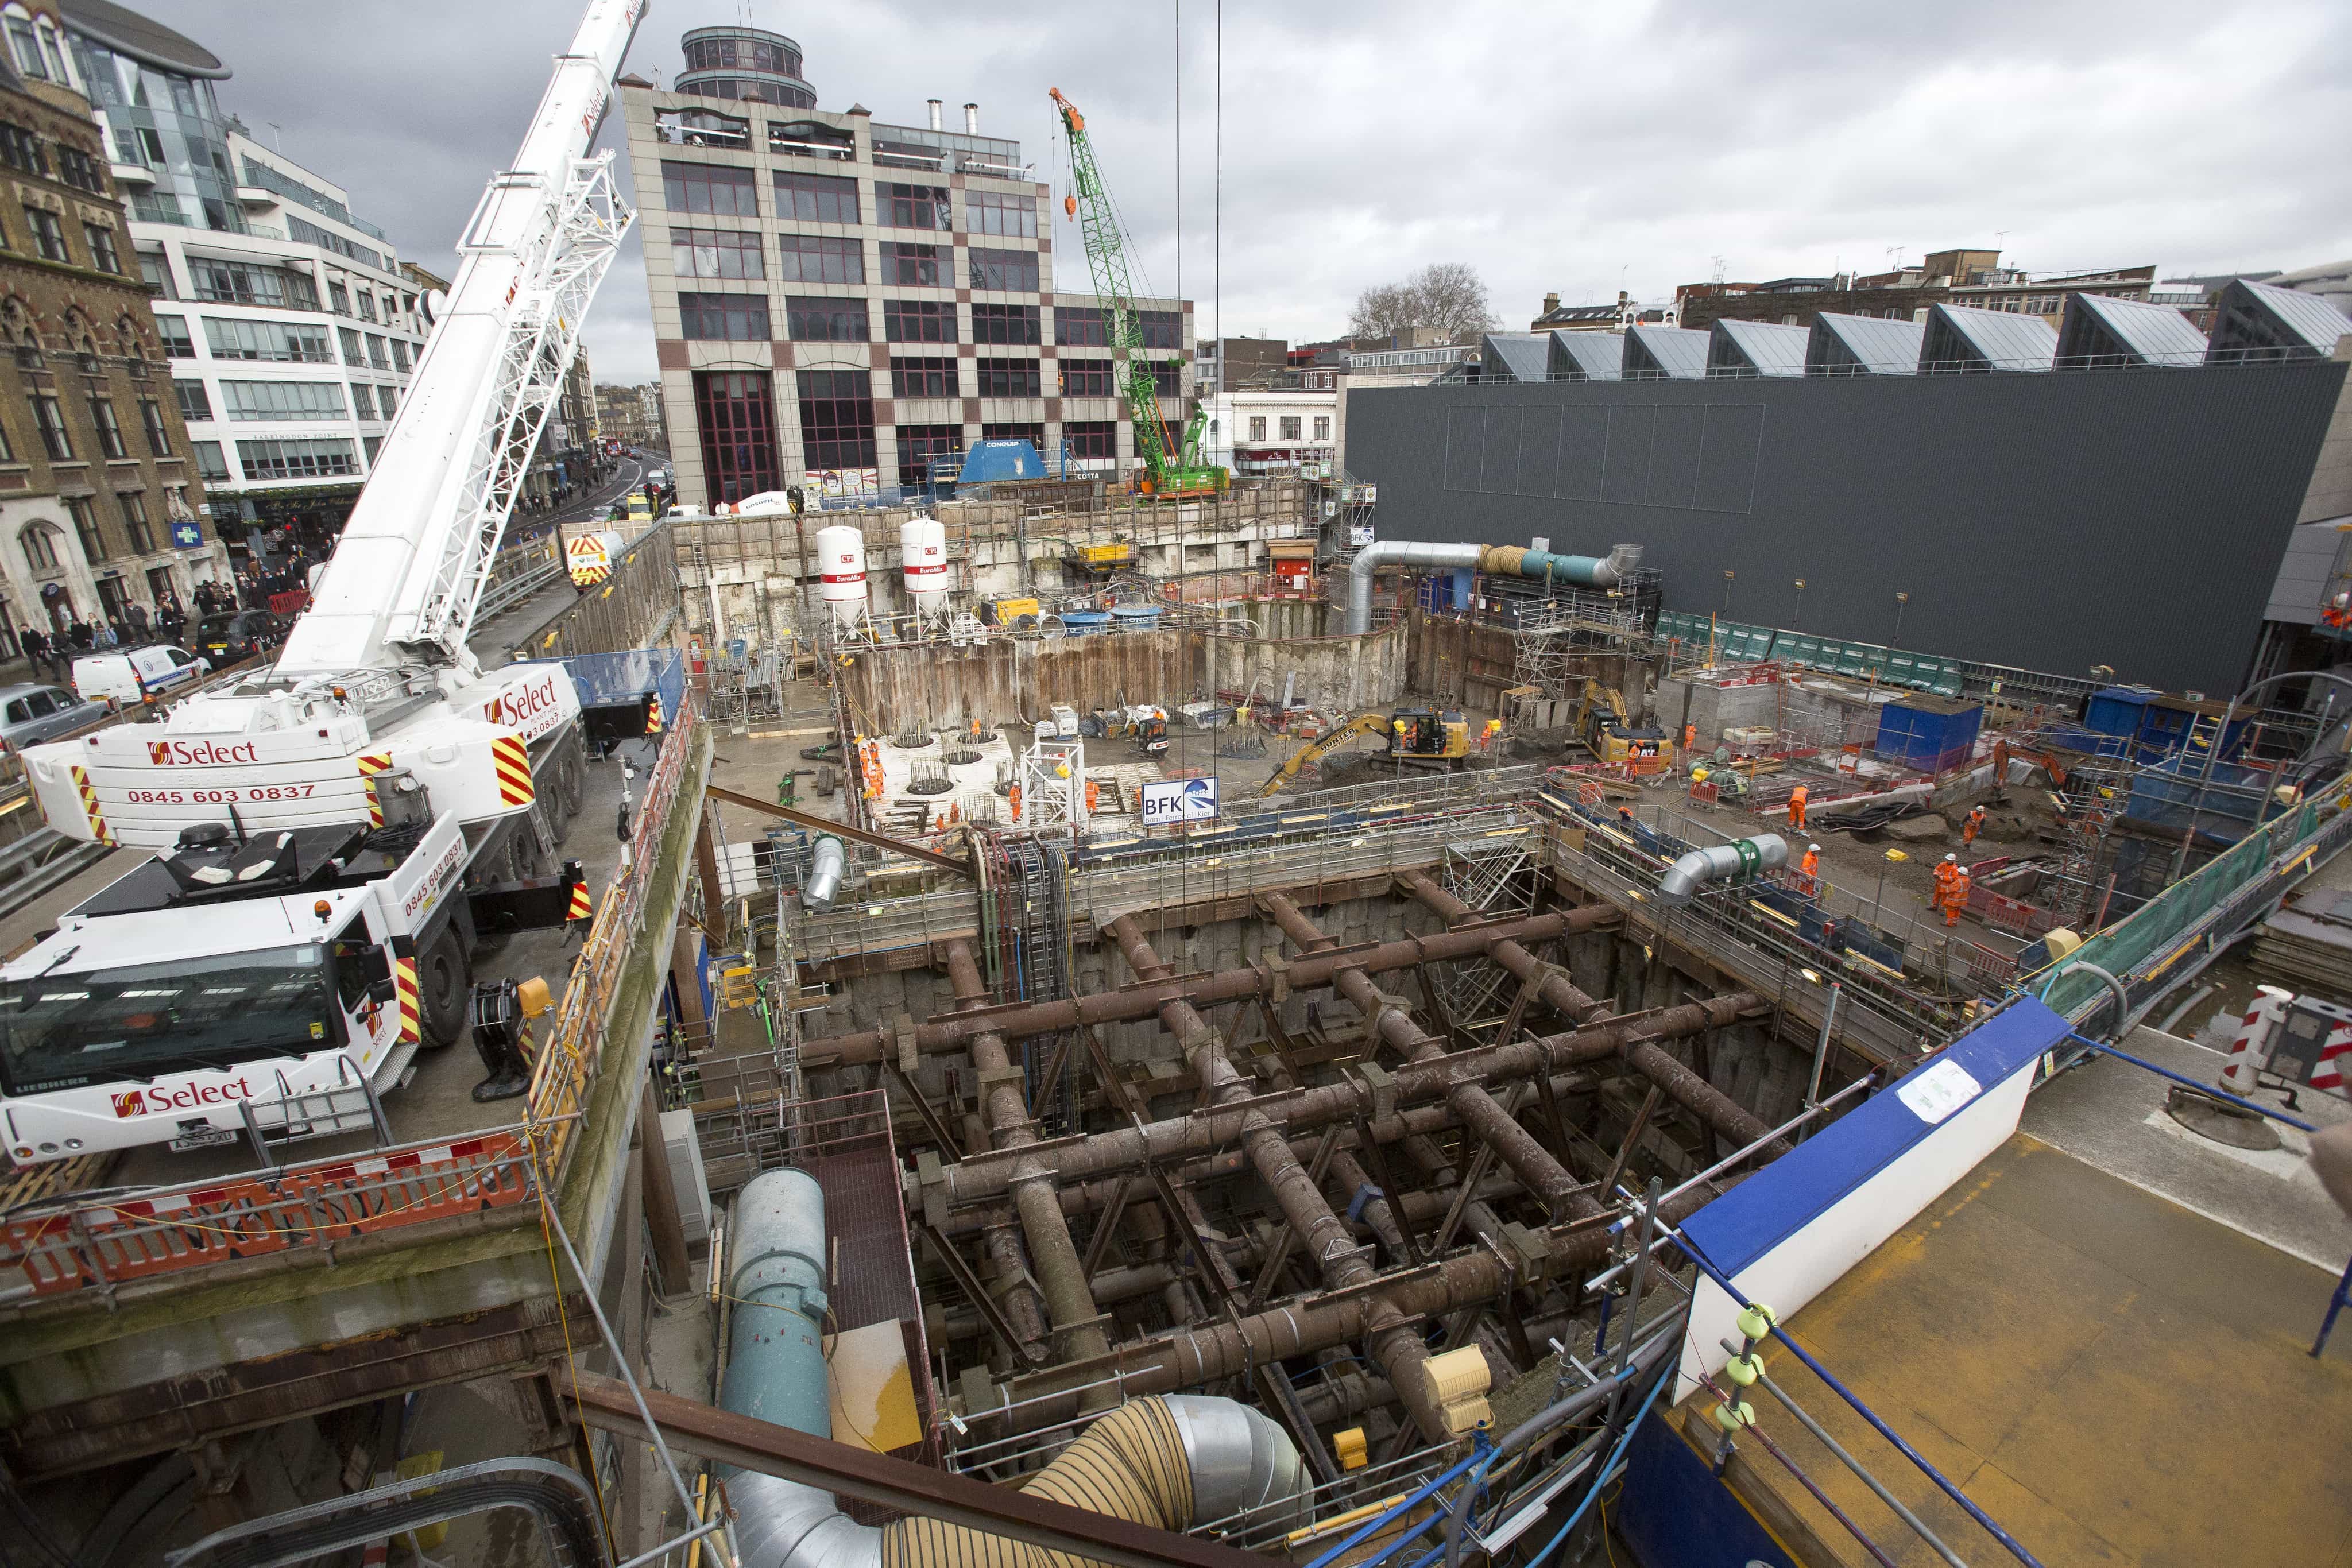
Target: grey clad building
[(2120, 493), (849, 305)]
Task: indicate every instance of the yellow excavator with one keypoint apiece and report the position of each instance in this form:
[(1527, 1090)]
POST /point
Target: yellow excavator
[(1423, 736), (1608, 731)]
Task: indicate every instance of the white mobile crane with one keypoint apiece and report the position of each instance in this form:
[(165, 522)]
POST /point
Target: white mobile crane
[(327, 831)]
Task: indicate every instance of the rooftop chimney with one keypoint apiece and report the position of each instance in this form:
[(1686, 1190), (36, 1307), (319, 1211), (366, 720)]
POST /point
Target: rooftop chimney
[(971, 119), (1551, 303), (935, 113)]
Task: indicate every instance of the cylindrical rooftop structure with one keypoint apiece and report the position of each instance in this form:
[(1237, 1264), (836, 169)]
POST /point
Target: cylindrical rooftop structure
[(749, 63)]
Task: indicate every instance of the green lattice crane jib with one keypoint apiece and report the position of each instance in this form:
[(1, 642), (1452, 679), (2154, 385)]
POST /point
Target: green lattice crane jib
[(1166, 472)]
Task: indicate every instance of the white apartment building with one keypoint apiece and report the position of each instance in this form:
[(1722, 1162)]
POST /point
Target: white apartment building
[(291, 332), (1279, 429)]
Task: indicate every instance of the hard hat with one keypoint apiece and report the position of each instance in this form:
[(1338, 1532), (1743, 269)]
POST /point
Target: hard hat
[(1812, 849), (1951, 860)]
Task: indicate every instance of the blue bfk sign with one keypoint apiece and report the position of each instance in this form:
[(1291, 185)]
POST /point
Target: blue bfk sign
[(1180, 801)]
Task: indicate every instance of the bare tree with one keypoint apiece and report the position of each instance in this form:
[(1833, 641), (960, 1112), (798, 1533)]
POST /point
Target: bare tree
[(1448, 296)]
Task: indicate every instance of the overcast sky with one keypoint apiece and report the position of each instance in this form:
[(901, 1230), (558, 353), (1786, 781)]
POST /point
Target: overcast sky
[(1579, 148)]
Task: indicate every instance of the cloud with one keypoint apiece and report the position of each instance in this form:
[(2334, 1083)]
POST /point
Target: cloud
[(1577, 149)]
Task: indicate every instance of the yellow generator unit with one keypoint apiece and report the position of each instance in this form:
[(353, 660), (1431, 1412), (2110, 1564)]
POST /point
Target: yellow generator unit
[(1011, 610), (1107, 558)]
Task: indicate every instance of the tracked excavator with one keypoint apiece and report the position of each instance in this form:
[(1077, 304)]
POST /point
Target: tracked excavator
[(1423, 737)]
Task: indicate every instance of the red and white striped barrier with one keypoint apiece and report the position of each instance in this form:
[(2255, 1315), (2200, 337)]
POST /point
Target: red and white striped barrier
[(2249, 1048)]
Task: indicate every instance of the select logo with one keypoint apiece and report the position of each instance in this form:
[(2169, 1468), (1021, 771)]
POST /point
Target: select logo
[(200, 753), (158, 1098)]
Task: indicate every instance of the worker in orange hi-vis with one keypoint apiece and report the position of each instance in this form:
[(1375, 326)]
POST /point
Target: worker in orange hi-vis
[(1959, 895), (1797, 806), (1690, 740), (1971, 826), (1946, 873), (1808, 870)]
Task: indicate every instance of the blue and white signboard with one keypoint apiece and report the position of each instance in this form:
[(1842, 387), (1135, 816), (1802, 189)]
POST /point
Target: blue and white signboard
[(1180, 801), (186, 536)]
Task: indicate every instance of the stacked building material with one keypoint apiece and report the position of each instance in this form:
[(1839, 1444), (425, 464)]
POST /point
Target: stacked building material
[(2308, 944)]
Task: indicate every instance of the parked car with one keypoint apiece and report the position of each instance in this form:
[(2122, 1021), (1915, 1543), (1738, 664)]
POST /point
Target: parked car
[(31, 714), (238, 634), (125, 676)]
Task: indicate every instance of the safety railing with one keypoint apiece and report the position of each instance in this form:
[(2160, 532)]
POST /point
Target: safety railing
[(565, 1072), (103, 1243), (519, 571), (80, 1244)]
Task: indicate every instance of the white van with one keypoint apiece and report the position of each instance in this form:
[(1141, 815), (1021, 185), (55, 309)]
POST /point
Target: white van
[(126, 677)]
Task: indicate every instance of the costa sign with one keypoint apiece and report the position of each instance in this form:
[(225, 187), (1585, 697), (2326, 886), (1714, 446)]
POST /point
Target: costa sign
[(200, 753), (158, 1098)]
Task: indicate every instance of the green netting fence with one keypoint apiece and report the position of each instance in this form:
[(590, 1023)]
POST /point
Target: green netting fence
[(2135, 949), (1737, 643)]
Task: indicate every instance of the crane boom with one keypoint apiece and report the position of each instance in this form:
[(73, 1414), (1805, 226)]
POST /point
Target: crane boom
[(402, 587), (1168, 473)]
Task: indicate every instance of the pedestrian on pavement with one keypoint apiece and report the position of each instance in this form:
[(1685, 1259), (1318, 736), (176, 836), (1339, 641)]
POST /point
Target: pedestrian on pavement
[(137, 614), (35, 647), (79, 634)]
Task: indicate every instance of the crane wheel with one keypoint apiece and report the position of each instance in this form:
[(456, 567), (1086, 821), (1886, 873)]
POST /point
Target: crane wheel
[(443, 981)]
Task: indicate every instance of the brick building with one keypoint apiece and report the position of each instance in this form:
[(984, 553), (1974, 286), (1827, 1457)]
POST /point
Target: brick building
[(100, 506)]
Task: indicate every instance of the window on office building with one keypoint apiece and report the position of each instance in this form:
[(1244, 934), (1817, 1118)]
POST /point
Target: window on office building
[(921, 445), (1290, 425), (719, 190), (918, 320), (820, 258), (1085, 378), (1080, 326), (827, 321), (254, 401), (1161, 329), (1011, 271), (319, 458), (173, 330), (1322, 427), (836, 419), (210, 466), (816, 198), (718, 252), (1168, 380), (914, 266), (281, 342), (913, 206), (194, 404), (364, 400), (1257, 427), (723, 318), (1092, 438), (990, 212), (736, 416), (1005, 323), (1008, 378), (922, 378)]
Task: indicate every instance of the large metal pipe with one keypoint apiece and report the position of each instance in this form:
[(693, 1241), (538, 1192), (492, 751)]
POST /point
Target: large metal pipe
[(983, 1178), (775, 1359), (1190, 1356), (1562, 1194), (1144, 998), (1500, 561), (1551, 983), (1684, 1087), (1324, 1238), (1739, 860), (1061, 1273), (1397, 552), (828, 861)]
